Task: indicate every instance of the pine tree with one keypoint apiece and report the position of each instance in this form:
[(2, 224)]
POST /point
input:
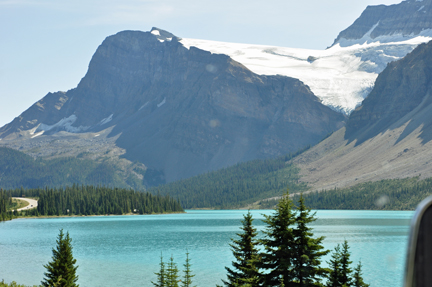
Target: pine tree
[(335, 268), (278, 255), (245, 252), (161, 275), (61, 271), (345, 274), (187, 278), (357, 277), (172, 277), (308, 250), (340, 270)]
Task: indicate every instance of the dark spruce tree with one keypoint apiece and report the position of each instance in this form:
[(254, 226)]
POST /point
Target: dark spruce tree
[(168, 274), (161, 275), (335, 268), (278, 255), (245, 251), (172, 278), (187, 273), (308, 250), (357, 277), (5, 202), (345, 272), (340, 270), (61, 271)]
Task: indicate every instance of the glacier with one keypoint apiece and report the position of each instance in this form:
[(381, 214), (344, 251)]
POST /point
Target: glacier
[(341, 76)]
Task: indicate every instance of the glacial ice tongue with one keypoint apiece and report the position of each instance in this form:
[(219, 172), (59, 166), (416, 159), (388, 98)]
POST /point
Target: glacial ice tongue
[(341, 76)]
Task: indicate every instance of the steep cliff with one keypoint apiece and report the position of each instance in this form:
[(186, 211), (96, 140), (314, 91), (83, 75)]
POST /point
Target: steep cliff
[(401, 91)]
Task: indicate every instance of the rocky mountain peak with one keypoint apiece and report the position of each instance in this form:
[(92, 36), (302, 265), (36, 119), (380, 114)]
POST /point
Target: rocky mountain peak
[(382, 23)]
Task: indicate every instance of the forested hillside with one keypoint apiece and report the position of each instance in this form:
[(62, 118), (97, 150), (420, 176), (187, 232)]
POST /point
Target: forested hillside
[(389, 194), (236, 186), (20, 170), (88, 200), (5, 202)]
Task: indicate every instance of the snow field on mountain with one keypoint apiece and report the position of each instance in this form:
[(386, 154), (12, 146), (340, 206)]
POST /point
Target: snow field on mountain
[(340, 76)]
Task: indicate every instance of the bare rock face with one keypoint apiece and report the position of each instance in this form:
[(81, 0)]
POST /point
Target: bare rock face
[(401, 91), (408, 18), (181, 111)]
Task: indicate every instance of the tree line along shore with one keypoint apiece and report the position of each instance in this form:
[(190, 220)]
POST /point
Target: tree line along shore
[(389, 194), (87, 200)]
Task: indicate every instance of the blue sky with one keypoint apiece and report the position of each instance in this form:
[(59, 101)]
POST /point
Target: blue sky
[(46, 45)]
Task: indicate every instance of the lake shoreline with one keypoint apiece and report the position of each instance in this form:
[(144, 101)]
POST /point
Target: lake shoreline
[(94, 215)]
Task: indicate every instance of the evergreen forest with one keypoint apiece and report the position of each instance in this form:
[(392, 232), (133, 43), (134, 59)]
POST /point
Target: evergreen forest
[(388, 194), (236, 186), (261, 183), (87, 200)]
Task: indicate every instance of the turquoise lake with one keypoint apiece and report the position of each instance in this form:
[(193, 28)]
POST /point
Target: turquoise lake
[(125, 250)]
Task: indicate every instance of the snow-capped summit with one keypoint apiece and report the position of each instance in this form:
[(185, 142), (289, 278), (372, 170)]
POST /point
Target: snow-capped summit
[(395, 23)]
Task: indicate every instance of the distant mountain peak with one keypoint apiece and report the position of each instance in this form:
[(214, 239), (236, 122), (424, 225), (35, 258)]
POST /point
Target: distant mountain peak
[(393, 23)]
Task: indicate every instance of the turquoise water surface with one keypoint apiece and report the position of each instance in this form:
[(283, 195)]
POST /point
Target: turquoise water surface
[(125, 250)]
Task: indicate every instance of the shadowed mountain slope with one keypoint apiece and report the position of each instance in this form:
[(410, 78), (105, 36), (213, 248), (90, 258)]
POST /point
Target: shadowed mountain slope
[(401, 97)]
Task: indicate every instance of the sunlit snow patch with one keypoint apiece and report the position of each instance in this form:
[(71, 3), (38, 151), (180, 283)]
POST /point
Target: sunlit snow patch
[(63, 124), (38, 134), (161, 103), (33, 130), (106, 120), (156, 32), (143, 106)]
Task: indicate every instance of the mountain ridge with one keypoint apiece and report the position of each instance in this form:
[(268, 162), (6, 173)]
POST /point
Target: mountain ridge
[(405, 20)]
